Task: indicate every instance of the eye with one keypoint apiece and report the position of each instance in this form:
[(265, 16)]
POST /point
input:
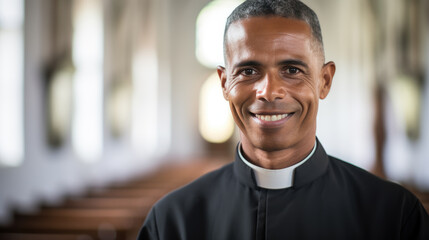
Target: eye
[(248, 72), (292, 70)]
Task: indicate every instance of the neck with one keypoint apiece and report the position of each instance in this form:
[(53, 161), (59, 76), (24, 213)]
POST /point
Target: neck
[(277, 159)]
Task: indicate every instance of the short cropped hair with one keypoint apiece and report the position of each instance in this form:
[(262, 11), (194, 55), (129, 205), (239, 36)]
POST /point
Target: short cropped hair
[(278, 8)]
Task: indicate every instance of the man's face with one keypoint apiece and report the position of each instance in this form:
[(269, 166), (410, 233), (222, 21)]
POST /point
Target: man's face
[(273, 80)]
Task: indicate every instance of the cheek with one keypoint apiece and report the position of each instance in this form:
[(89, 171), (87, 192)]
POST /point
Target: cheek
[(311, 106), (236, 113), (307, 96), (238, 97)]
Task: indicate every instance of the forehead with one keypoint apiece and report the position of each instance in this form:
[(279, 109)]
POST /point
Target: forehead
[(266, 24), (268, 35)]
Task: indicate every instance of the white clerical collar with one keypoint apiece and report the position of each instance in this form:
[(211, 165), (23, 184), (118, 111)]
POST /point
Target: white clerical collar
[(274, 178)]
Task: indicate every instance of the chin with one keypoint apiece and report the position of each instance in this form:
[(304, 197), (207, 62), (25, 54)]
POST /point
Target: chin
[(273, 144)]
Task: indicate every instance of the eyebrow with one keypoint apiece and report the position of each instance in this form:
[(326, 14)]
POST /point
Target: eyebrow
[(247, 63), (284, 62), (293, 62)]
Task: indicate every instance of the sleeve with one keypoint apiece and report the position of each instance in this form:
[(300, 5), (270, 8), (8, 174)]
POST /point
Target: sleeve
[(149, 230), (416, 225)]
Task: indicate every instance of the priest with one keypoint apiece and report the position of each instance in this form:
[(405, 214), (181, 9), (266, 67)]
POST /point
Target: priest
[(282, 184)]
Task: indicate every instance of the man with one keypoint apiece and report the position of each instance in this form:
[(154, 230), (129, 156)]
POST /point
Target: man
[(282, 184)]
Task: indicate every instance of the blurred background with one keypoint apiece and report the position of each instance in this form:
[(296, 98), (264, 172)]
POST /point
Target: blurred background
[(93, 92)]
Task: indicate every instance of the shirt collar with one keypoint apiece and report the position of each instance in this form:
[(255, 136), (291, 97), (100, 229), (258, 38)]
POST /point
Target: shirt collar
[(274, 178), (315, 167)]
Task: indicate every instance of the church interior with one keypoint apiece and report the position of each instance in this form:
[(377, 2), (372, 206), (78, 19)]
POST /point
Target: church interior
[(108, 105)]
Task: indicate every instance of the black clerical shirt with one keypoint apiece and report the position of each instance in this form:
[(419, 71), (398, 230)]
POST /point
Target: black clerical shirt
[(329, 199)]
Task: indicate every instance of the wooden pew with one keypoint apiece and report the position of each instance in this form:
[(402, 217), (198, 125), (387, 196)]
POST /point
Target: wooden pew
[(114, 212), (106, 203), (40, 236), (119, 222)]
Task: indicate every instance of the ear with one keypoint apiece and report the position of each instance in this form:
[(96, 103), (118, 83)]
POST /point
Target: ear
[(221, 71), (328, 71)]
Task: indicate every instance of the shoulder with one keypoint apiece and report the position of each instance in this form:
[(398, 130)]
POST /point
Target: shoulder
[(383, 200), (185, 205), (359, 177), (197, 192), (184, 212), (370, 187)]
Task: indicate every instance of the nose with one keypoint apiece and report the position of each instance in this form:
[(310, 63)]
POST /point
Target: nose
[(270, 88)]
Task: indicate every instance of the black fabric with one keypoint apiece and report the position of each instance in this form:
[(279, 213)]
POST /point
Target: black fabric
[(330, 199), (262, 213)]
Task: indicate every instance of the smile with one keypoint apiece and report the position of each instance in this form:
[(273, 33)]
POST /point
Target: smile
[(271, 118)]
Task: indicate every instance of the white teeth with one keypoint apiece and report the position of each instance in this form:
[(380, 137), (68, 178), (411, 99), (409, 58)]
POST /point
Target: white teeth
[(271, 118)]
